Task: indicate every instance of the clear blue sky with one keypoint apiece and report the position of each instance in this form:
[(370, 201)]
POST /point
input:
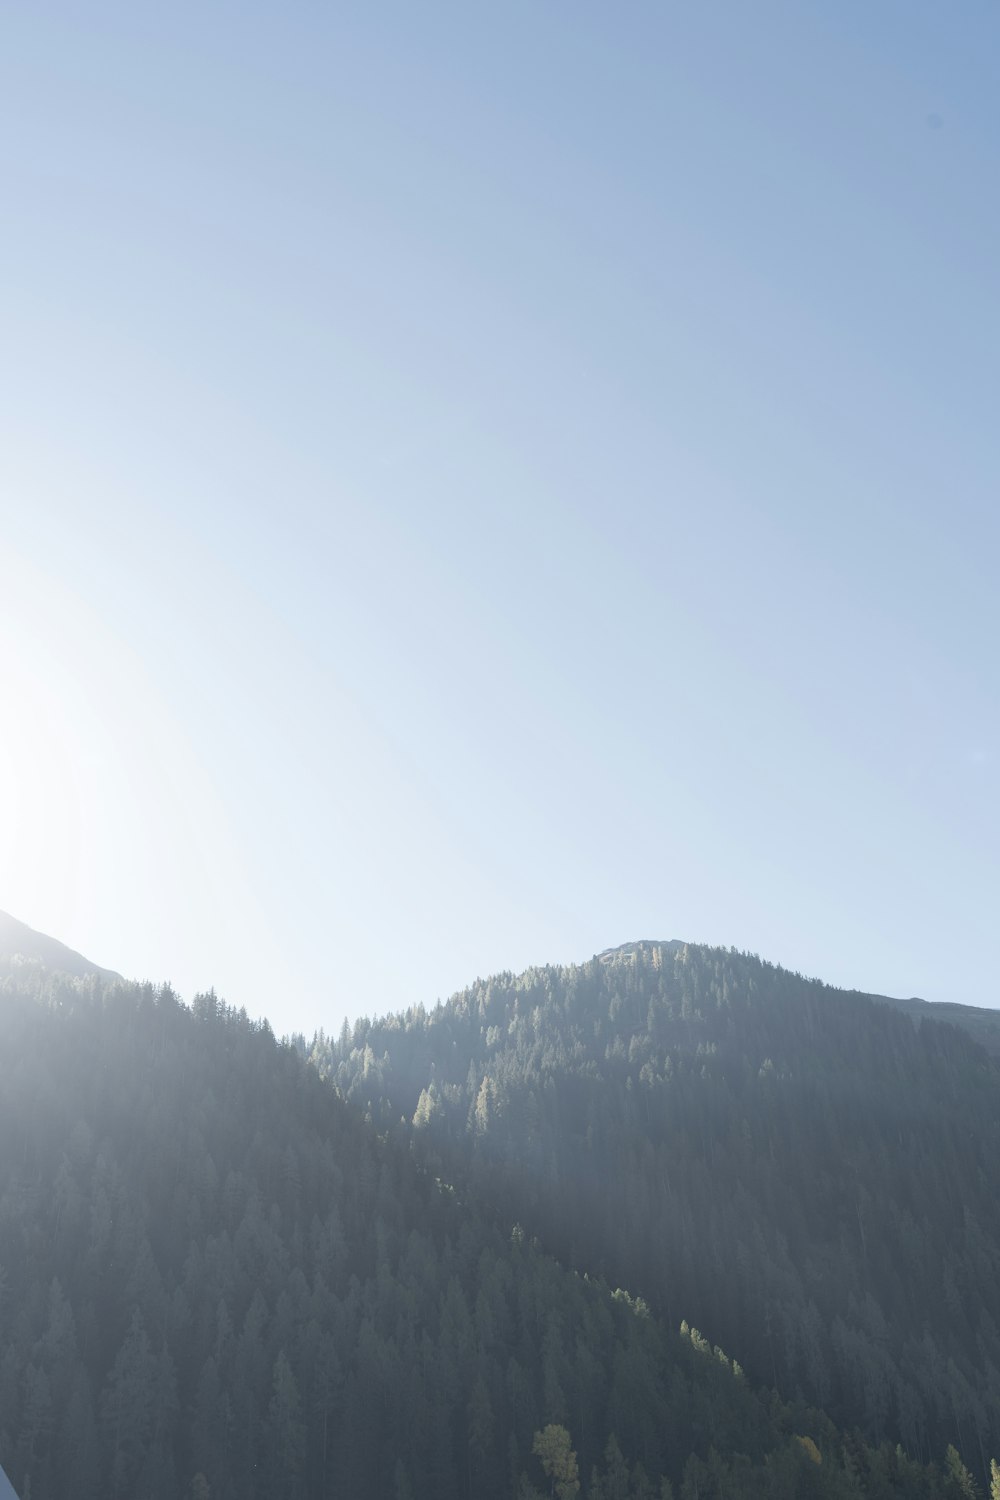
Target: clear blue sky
[(482, 483)]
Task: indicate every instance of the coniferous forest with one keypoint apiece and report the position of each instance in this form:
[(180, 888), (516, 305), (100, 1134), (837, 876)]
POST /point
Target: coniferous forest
[(670, 1223), (806, 1173)]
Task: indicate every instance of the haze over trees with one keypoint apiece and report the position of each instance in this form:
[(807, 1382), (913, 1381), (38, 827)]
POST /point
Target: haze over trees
[(218, 1278), (809, 1175)]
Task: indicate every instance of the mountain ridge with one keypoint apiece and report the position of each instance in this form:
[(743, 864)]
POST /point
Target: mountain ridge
[(18, 940), (221, 1281), (802, 1170), (981, 1022)]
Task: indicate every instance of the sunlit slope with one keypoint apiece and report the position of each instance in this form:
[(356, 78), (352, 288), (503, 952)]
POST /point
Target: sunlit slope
[(806, 1173), (217, 1281), (19, 941)]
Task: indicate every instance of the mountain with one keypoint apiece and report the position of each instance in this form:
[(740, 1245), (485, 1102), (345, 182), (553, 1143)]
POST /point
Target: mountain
[(220, 1281), (19, 941), (803, 1172), (983, 1025)]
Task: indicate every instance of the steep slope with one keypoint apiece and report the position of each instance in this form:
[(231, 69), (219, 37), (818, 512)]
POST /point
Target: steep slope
[(217, 1281), (802, 1171), (19, 941), (982, 1025)]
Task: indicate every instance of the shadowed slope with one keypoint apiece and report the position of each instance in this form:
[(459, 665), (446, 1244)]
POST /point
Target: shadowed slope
[(219, 1280), (803, 1171)]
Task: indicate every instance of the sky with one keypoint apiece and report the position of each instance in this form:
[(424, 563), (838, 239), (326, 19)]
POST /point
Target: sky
[(481, 484)]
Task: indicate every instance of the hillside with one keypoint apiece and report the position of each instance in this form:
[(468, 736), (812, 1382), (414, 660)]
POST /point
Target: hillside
[(218, 1282), (982, 1025), (805, 1173), (18, 941)]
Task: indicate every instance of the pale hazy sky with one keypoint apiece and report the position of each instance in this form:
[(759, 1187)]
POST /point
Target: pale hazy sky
[(482, 483)]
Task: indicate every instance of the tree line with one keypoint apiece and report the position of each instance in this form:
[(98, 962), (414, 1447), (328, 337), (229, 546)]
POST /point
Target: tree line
[(805, 1173), (219, 1280)]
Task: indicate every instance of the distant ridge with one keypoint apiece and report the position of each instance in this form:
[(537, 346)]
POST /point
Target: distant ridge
[(981, 1023), (18, 940), (6, 1488)]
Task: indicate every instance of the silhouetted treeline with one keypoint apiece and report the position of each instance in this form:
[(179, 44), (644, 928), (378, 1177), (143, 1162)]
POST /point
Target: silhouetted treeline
[(218, 1282), (806, 1174)]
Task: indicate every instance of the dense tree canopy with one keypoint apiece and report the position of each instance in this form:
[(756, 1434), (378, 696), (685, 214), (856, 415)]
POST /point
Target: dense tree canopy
[(219, 1280), (805, 1173)]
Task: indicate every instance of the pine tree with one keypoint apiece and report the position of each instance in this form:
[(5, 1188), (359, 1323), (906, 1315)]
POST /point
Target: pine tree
[(127, 1408), (552, 1447), (286, 1434)]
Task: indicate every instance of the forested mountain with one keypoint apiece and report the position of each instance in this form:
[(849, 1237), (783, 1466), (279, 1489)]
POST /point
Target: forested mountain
[(18, 941), (218, 1281), (803, 1172), (982, 1025)]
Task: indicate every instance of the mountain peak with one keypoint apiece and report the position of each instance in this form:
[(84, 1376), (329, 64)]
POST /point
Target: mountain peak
[(18, 940), (628, 951)]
